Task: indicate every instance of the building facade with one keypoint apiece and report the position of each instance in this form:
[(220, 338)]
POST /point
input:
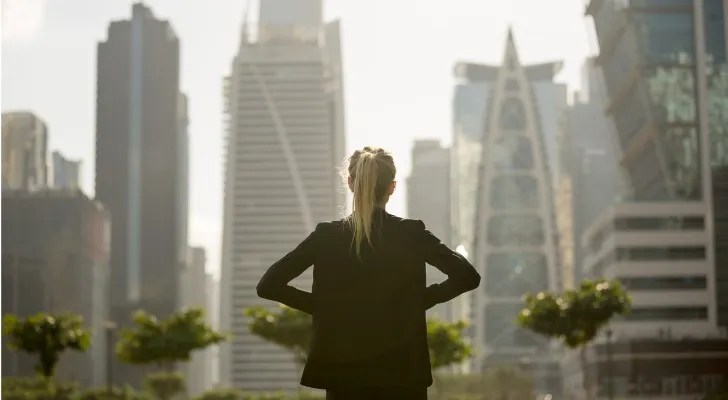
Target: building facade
[(55, 259), (662, 64), (285, 139), (66, 173), (24, 151), (659, 251), (195, 292), (141, 160), (428, 199), (516, 241)]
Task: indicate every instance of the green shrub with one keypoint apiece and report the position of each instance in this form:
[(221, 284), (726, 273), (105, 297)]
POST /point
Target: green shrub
[(36, 388)]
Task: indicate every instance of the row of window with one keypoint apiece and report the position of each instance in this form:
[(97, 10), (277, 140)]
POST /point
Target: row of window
[(665, 283), (666, 314)]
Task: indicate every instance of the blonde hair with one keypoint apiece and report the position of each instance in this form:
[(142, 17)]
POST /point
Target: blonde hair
[(371, 170)]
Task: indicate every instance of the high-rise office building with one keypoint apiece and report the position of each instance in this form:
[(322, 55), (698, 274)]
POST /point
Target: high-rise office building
[(24, 151), (515, 221), (55, 259), (284, 141), (664, 69), (664, 66), (66, 173), (428, 199), (141, 160)]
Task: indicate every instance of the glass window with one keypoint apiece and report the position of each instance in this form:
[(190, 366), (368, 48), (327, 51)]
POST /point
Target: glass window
[(515, 274), (664, 283), (630, 116), (667, 313), (515, 231), (715, 34), (666, 37), (512, 114), (673, 94), (653, 223), (510, 192), (683, 160), (660, 253), (512, 152)]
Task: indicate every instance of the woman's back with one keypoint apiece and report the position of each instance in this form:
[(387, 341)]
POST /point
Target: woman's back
[(369, 296)]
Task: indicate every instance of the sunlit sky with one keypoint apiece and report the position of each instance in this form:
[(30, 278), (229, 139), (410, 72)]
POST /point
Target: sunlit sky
[(398, 58)]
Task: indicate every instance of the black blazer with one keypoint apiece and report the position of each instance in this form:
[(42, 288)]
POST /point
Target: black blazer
[(369, 314)]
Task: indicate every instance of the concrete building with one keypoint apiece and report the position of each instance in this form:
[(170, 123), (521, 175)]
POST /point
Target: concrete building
[(720, 225), (66, 173), (428, 199), (55, 259), (24, 151), (669, 346), (659, 251), (141, 160), (516, 242), (285, 138), (195, 291)]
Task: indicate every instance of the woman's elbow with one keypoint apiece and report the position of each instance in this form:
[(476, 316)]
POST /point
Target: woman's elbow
[(264, 290), (473, 281)]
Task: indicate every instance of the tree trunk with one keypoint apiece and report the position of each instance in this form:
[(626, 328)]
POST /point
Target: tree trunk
[(585, 378), (47, 364)]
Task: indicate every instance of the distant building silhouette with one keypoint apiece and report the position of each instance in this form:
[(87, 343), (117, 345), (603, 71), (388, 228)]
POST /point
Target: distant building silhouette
[(428, 199), (141, 159), (590, 161), (55, 259), (196, 292), (141, 167), (66, 173), (24, 151), (285, 139)]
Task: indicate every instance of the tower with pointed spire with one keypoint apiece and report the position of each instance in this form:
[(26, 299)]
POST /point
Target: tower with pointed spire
[(514, 236)]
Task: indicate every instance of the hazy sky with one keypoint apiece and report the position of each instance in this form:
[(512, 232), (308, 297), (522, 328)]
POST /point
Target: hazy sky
[(398, 58)]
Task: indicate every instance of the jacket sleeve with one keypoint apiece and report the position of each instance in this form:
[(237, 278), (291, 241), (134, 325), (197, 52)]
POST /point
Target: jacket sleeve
[(461, 275), (274, 285)]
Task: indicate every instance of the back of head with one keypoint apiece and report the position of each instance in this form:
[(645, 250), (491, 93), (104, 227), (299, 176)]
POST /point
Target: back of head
[(371, 174)]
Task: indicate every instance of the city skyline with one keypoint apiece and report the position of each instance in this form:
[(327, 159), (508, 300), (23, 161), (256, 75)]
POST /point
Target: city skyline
[(437, 38)]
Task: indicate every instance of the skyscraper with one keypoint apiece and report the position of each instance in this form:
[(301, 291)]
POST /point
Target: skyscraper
[(285, 138), (665, 75), (66, 173), (515, 225), (24, 151), (141, 160), (428, 199)]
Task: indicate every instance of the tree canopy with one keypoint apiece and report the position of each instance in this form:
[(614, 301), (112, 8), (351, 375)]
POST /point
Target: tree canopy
[(165, 342), (46, 336)]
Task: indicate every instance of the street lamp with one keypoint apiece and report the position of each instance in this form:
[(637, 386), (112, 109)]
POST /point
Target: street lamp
[(110, 327)]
